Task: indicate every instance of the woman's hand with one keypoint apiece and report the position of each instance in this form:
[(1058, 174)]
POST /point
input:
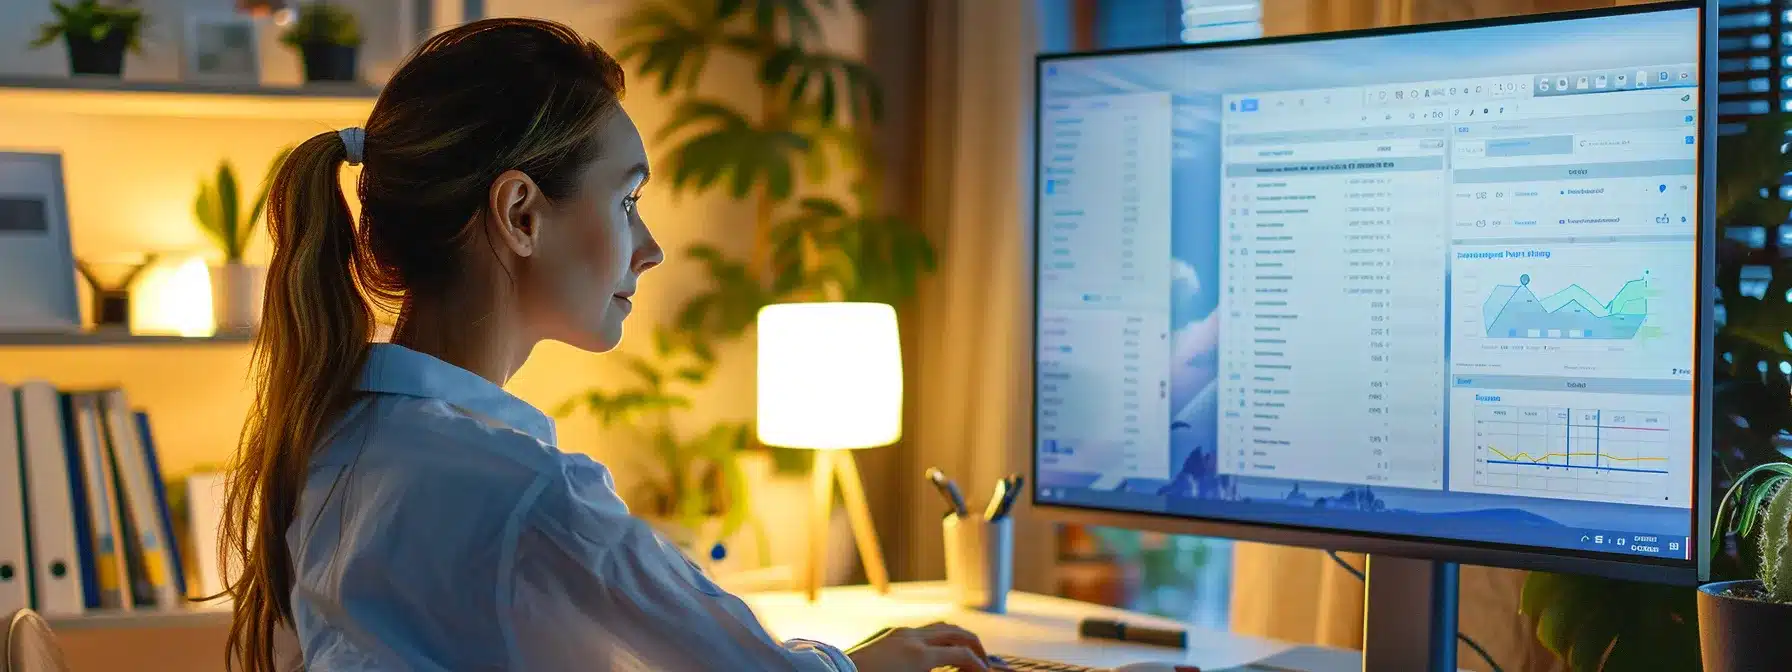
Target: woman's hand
[(921, 650)]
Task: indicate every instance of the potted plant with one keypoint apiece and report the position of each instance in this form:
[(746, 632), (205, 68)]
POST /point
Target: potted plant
[(236, 285), (96, 35), (327, 37), (1740, 622), (693, 489)]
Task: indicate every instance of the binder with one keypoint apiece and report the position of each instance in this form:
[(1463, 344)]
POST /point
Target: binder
[(147, 440), (49, 514), (15, 582), (79, 501), (138, 496), (205, 511), (102, 564)]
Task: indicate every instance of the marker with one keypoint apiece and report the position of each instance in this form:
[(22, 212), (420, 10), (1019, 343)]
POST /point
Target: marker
[(1101, 628)]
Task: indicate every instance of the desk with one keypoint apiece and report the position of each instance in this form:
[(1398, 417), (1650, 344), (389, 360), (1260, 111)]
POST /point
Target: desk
[(1035, 626)]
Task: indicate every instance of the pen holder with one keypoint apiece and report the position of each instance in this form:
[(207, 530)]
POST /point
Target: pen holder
[(979, 561)]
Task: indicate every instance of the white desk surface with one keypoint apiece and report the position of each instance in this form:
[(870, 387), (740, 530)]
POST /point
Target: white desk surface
[(1035, 626)]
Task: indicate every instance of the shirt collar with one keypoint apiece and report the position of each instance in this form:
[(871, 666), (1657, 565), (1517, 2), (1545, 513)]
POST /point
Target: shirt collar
[(395, 369)]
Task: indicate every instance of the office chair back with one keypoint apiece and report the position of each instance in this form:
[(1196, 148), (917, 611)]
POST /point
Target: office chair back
[(29, 646)]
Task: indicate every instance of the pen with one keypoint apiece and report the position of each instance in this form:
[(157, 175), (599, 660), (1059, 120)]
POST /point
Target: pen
[(1014, 488), (998, 502), (948, 490), (1101, 628)]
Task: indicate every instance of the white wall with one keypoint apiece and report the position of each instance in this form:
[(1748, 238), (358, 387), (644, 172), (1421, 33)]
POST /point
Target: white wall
[(381, 27)]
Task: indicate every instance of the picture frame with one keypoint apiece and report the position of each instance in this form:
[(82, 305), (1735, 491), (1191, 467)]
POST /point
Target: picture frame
[(221, 48), (38, 292)]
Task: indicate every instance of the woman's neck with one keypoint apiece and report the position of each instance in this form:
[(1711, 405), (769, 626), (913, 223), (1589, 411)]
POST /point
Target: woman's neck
[(488, 342)]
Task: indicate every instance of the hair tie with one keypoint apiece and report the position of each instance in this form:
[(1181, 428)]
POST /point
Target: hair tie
[(354, 142)]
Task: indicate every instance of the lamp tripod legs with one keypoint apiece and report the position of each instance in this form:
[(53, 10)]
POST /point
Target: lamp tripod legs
[(830, 465), (852, 490)]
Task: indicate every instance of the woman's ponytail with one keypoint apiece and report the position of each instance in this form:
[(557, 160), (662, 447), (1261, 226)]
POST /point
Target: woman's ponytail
[(313, 337)]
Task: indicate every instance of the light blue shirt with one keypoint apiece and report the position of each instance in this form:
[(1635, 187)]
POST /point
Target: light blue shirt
[(440, 529)]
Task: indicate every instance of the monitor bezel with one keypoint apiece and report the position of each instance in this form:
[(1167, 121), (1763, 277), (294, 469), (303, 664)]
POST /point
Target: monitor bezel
[(1516, 556)]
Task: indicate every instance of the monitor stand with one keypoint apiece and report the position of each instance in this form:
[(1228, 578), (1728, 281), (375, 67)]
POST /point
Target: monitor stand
[(1409, 615)]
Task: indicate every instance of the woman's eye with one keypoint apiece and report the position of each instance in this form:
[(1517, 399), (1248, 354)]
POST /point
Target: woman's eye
[(629, 204)]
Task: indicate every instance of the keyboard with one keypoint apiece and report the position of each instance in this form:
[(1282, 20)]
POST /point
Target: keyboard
[(1021, 664)]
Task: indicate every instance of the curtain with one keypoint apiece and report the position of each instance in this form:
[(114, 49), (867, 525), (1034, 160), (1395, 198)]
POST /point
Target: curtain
[(968, 335)]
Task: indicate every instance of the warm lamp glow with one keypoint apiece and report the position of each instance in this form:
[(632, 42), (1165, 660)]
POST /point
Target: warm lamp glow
[(173, 299), (830, 376)]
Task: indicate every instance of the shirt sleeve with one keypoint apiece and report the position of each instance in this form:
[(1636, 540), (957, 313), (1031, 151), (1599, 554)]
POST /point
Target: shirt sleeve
[(595, 588)]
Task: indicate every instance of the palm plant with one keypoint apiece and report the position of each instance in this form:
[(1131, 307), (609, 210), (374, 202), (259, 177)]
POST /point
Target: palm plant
[(1605, 624), (810, 128)]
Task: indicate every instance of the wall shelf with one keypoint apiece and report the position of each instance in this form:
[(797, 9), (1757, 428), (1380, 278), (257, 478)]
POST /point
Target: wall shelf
[(115, 339), (148, 618), (114, 97)]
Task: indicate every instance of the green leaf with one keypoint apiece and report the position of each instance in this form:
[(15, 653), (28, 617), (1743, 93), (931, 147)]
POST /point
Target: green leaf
[(726, 9), (792, 19), (718, 141), (837, 79), (668, 42), (47, 34), (1579, 618), (727, 306), (644, 370), (230, 217), (823, 207)]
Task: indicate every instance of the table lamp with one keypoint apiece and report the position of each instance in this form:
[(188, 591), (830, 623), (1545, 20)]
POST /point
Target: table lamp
[(830, 380)]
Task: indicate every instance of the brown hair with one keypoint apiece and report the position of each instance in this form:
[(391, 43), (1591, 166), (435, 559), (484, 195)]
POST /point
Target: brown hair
[(470, 103)]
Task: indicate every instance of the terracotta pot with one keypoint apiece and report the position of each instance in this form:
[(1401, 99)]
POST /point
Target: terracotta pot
[(1738, 634)]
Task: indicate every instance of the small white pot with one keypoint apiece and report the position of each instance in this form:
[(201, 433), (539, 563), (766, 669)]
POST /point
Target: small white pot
[(236, 296)]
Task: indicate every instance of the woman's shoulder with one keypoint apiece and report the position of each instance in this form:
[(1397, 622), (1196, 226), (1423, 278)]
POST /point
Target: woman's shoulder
[(434, 442)]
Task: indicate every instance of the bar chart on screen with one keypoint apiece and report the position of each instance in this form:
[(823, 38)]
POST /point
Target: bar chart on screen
[(1590, 452)]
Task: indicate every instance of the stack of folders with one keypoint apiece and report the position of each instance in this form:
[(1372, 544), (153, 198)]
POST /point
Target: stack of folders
[(84, 522)]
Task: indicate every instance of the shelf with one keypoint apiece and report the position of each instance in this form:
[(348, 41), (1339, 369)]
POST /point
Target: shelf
[(114, 97), (185, 617), (114, 339)]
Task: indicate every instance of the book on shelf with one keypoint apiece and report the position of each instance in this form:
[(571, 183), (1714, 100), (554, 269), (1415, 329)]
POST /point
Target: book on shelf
[(84, 519)]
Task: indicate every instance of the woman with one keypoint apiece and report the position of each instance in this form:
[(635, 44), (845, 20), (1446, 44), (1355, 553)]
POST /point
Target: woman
[(391, 502)]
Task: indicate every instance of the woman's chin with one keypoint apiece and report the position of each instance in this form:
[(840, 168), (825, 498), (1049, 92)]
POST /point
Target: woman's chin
[(604, 339)]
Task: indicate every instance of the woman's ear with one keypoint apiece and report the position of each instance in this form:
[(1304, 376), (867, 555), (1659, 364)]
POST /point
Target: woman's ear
[(516, 207)]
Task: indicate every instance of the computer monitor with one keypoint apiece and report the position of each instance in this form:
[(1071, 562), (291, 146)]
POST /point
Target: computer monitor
[(1433, 292)]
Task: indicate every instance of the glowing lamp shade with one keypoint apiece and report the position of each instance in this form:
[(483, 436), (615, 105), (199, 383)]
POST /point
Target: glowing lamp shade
[(830, 376)]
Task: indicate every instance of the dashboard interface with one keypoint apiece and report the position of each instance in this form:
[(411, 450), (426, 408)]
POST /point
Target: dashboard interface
[(1435, 284)]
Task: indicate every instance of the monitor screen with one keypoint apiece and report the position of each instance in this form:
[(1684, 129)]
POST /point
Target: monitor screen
[(1438, 284)]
